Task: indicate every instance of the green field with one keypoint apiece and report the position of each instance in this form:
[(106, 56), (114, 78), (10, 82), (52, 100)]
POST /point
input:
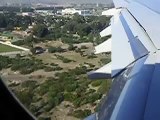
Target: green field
[(5, 48)]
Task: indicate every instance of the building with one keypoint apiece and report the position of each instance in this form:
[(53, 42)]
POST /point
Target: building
[(72, 11), (27, 14), (69, 11), (110, 12), (85, 12), (44, 12)]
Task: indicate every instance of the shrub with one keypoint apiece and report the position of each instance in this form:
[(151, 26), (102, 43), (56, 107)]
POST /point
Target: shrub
[(81, 113), (71, 47), (55, 49), (96, 83), (84, 47)]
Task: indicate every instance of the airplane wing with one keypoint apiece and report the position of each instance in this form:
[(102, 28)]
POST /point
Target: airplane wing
[(135, 65)]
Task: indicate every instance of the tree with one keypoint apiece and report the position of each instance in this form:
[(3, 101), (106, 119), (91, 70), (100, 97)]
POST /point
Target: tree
[(33, 50), (83, 29), (3, 22), (55, 49), (81, 113), (71, 47), (78, 18), (25, 97), (40, 30), (70, 26)]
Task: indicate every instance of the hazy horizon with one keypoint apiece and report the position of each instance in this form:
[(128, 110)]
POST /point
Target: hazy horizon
[(56, 1)]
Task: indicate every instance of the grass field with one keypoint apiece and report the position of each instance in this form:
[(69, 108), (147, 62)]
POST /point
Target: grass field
[(5, 48)]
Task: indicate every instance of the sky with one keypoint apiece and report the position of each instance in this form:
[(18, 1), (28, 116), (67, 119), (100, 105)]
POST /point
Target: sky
[(56, 1)]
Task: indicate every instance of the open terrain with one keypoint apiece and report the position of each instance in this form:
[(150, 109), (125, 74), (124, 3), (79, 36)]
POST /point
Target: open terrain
[(53, 79), (75, 104)]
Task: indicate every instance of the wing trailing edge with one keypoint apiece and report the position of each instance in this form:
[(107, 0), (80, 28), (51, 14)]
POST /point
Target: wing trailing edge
[(102, 73), (106, 32)]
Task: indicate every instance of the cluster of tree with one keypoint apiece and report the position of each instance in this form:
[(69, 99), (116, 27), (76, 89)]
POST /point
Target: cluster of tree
[(70, 30), (71, 47), (5, 62), (40, 30), (29, 41), (81, 113), (51, 68), (11, 20), (84, 47), (55, 94), (70, 39), (25, 65), (91, 56), (63, 59), (11, 9), (96, 83), (67, 86), (3, 22), (84, 26), (26, 96), (55, 49)]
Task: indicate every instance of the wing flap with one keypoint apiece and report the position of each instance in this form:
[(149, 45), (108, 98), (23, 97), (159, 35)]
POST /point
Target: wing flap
[(126, 48), (121, 51), (138, 31), (106, 32), (102, 73), (103, 47)]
